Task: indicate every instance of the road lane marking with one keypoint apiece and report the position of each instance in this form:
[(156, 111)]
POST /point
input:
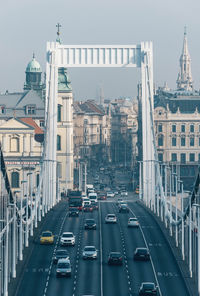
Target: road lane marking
[(154, 271)]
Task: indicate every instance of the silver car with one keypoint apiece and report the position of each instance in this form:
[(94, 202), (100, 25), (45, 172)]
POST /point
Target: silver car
[(133, 222), (111, 218), (89, 252), (67, 238)]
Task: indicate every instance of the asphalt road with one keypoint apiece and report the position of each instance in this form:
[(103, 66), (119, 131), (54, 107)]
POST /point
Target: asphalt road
[(96, 277)]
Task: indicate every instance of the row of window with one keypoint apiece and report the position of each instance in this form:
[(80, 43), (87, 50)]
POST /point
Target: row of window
[(174, 128), (182, 157), (15, 180), (174, 141)]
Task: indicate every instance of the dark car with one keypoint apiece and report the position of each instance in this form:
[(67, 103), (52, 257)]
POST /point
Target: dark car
[(141, 254), (73, 212), (115, 258), (60, 254), (90, 224), (94, 204), (123, 208), (87, 208), (148, 289)]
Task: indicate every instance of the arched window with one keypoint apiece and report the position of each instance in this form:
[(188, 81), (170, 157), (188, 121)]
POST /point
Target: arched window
[(15, 180), (14, 144), (58, 143)]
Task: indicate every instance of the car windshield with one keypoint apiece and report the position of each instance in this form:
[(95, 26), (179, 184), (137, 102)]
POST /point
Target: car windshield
[(115, 255), (67, 235), (133, 219), (111, 216), (90, 249), (148, 286), (142, 251), (61, 253), (46, 234), (90, 221), (63, 265)]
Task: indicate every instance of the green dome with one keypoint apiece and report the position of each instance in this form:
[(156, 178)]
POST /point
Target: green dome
[(33, 66)]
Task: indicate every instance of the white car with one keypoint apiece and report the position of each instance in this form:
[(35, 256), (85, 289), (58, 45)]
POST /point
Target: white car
[(133, 222), (124, 193), (111, 218), (89, 252), (110, 194), (63, 268), (67, 238)]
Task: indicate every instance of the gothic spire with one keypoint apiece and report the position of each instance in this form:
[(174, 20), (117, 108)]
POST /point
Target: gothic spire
[(184, 80)]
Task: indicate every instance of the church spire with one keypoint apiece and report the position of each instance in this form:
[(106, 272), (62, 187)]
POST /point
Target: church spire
[(184, 80), (58, 33)]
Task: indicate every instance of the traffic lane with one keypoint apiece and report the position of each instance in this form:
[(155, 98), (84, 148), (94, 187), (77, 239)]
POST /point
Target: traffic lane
[(88, 276), (139, 271), (167, 271), (59, 286), (37, 268), (115, 280)]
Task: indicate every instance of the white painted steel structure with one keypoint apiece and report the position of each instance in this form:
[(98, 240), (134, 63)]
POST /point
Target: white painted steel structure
[(70, 56)]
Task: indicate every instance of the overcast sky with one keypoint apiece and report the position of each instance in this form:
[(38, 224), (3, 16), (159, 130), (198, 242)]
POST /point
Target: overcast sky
[(26, 26)]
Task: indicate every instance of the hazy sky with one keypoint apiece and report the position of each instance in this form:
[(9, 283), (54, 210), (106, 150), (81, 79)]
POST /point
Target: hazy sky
[(26, 26)]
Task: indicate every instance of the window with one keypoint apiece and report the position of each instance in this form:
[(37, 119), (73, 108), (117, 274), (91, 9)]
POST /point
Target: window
[(15, 180), (174, 141), (85, 121), (160, 128), (192, 128), (41, 123), (14, 144), (173, 128), (2, 109), (37, 179), (58, 143), (183, 158), (160, 140), (199, 141), (199, 157), (160, 157), (59, 113), (192, 141), (183, 128), (192, 157), (30, 110), (174, 157), (182, 141)]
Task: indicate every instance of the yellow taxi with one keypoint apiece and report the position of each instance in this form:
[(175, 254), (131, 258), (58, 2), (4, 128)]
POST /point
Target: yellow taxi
[(47, 238)]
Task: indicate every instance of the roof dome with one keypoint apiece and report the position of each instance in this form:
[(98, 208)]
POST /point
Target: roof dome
[(33, 66)]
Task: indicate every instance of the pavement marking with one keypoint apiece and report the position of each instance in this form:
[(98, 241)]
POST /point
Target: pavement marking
[(154, 271)]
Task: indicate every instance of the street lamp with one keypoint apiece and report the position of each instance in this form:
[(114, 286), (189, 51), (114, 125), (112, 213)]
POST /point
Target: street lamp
[(182, 221), (20, 227), (198, 255), (176, 209), (31, 201)]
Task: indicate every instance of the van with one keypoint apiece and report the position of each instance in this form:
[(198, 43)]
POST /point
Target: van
[(92, 196)]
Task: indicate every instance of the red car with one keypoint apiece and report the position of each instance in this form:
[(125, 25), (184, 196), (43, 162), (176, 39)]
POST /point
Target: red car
[(102, 196), (88, 208)]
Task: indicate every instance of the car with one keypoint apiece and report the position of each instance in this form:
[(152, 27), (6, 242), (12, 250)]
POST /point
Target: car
[(148, 288), (133, 222), (88, 208), (115, 258), (141, 254), (89, 252), (73, 212), (90, 224), (110, 194), (119, 201), (94, 204), (102, 196), (67, 238), (111, 218), (47, 238), (123, 208), (124, 193), (60, 254), (63, 268)]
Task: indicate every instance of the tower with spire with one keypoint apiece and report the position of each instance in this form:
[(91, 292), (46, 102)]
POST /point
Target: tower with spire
[(184, 80)]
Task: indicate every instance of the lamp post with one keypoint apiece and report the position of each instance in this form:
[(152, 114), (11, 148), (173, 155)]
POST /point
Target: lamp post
[(21, 226), (31, 201), (182, 222), (198, 253), (176, 207), (190, 237)]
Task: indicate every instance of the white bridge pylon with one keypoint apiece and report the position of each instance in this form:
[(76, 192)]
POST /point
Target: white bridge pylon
[(71, 56)]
